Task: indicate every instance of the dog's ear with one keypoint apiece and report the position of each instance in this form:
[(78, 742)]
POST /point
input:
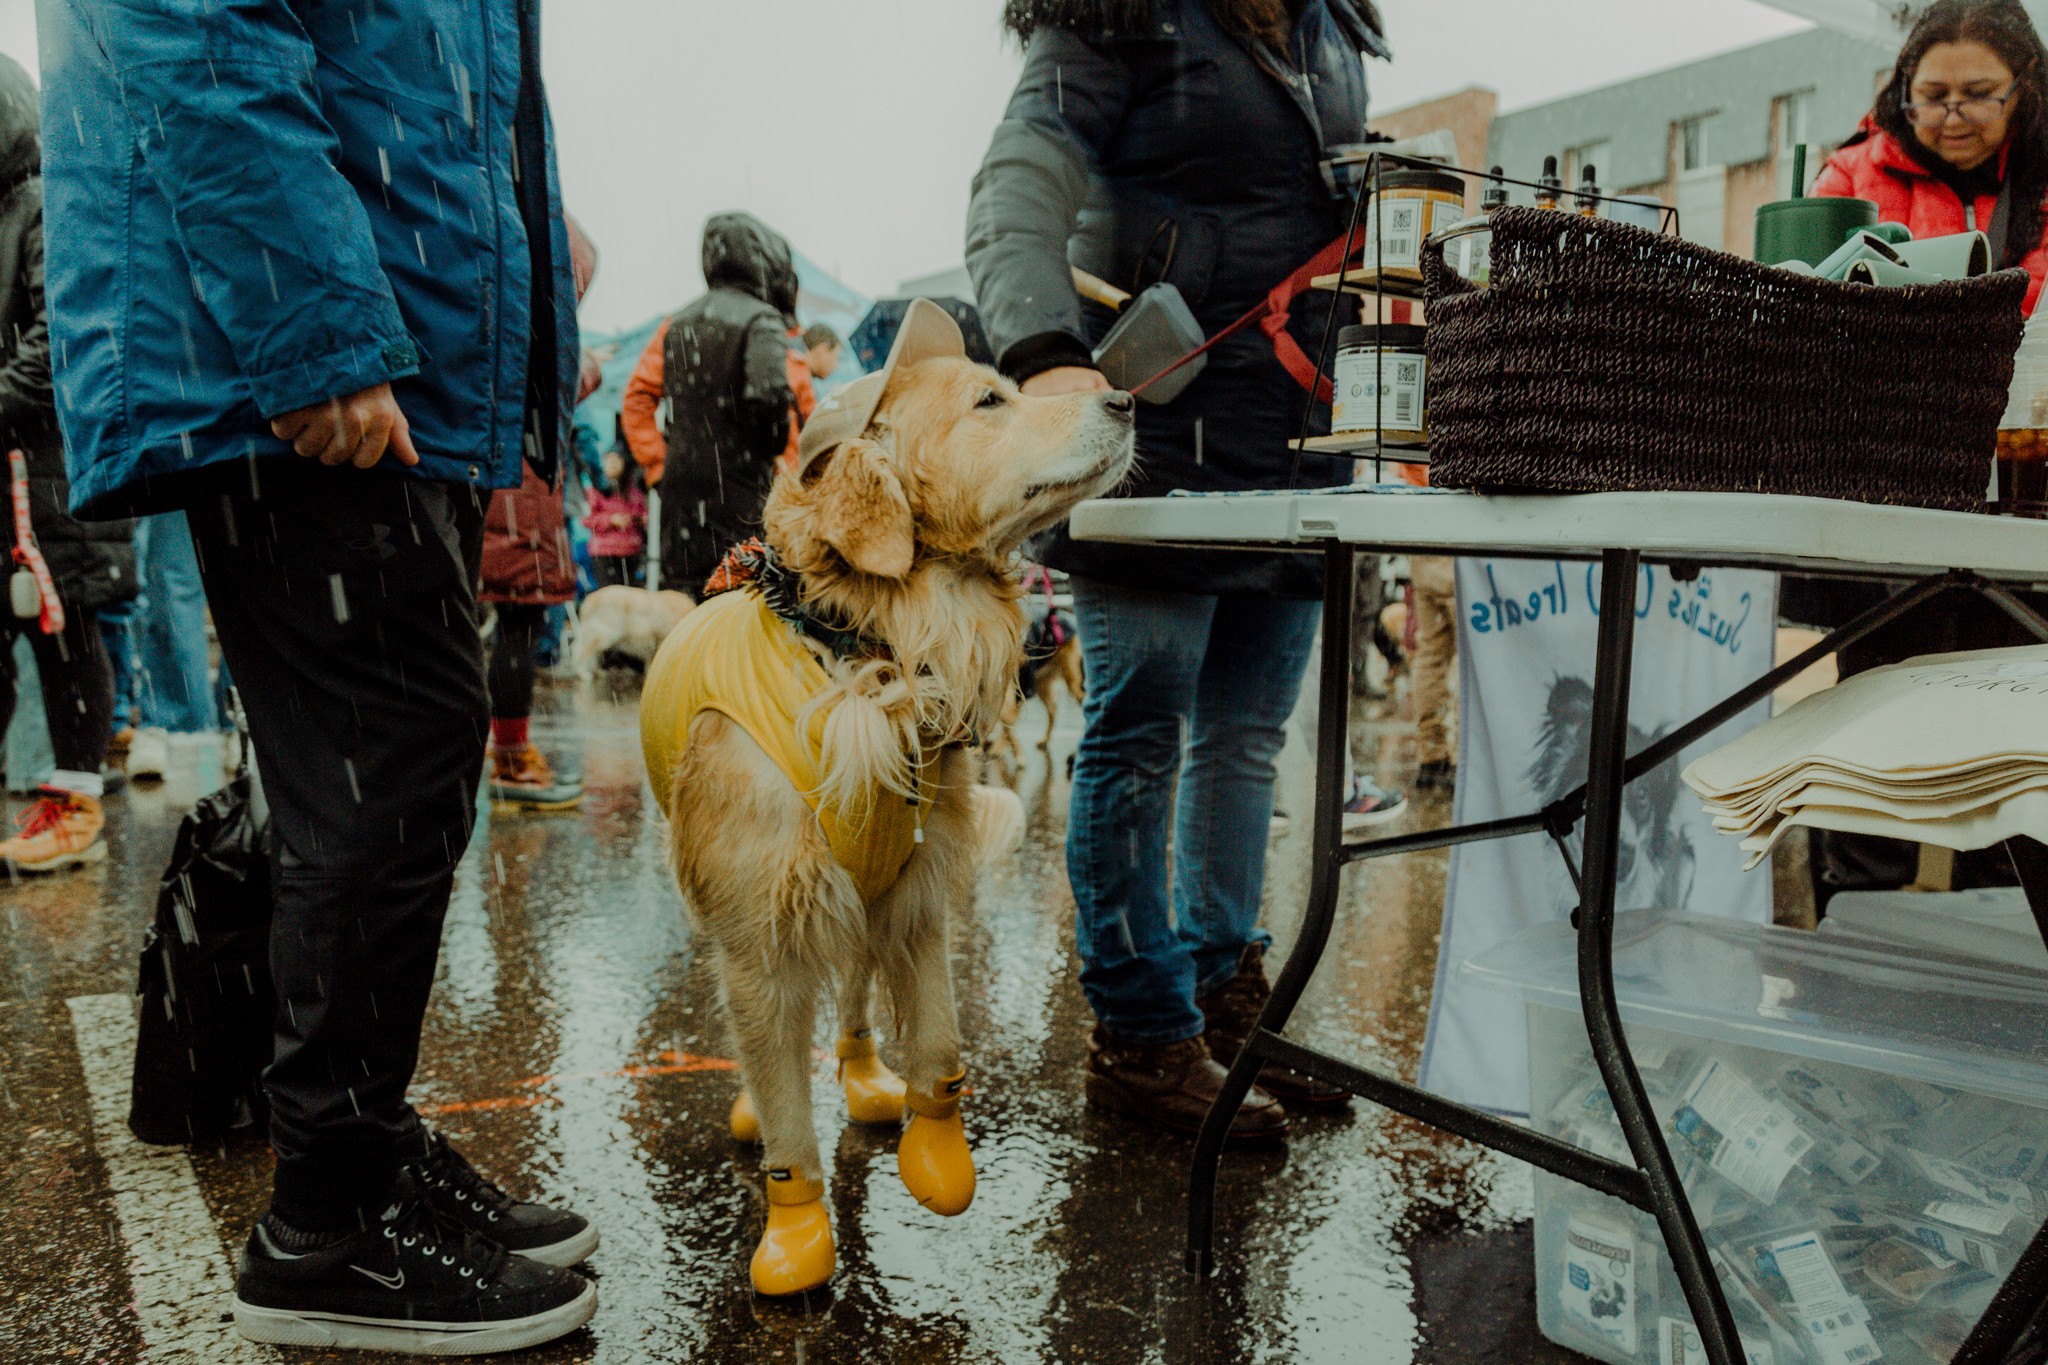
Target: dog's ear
[(859, 509)]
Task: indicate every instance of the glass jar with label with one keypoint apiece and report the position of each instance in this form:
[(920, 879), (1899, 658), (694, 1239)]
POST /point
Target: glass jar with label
[(1411, 205), (2019, 485), (1381, 380)]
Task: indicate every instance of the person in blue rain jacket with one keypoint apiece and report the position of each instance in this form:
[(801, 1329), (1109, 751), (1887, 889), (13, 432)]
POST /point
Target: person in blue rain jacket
[(309, 283), (290, 203)]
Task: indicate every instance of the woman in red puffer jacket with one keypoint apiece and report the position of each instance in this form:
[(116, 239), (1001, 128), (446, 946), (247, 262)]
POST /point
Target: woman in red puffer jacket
[(1958, 138), (1958, 141)]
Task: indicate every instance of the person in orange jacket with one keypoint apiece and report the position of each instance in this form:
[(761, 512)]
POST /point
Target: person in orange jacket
[(1958, 138), (642, 407)]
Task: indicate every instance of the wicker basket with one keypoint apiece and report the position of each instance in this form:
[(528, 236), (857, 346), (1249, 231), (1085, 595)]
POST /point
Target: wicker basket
[(1606, 358)]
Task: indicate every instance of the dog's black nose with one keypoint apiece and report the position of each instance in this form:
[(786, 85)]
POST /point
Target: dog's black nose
[(1120, 403)]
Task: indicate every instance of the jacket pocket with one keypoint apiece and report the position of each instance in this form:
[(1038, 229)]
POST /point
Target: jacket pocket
[(1136, 239)]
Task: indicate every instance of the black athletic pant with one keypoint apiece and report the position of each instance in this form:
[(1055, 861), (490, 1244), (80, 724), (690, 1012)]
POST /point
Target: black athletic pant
[(345, 602), (512, 667), (78, 686)]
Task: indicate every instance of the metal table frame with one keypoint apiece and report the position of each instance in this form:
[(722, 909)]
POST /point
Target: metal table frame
[(1652, 1183)]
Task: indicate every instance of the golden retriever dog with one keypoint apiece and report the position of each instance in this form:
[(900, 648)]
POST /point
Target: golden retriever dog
[(808, 735), (619, 621)]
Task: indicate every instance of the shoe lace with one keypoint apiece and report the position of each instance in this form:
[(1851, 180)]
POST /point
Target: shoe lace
[(435, 1235), (444, 1168), (44, 816)]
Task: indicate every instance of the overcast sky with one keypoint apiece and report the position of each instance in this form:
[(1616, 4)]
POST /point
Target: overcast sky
[(854, 126)]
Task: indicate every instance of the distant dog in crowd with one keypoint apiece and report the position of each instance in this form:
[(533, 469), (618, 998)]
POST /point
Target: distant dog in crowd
[(1654, 868), (620, 626), (807, 731), (1390, 638), (1052, 659)]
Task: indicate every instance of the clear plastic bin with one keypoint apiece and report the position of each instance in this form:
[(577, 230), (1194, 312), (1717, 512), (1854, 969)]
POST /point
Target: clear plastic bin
[(1862, 1130)]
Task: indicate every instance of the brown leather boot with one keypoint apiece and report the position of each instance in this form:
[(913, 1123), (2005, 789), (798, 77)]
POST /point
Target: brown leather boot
[(1231, 1012), (1171, 1086)]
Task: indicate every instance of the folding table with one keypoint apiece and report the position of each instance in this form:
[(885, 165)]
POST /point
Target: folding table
[(1938, 553)]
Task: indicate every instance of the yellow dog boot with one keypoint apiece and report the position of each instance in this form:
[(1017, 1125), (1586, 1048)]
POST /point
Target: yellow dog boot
[(796, 1247), (932, 1157), (874, 1093), (746, 1124)]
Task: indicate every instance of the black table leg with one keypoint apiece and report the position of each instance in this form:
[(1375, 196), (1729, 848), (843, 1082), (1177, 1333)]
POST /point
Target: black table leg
[(2030, 861), (1326, 842), (1605, 778)]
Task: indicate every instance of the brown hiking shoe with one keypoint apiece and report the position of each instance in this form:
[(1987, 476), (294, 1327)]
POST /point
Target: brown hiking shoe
[(1231, 1012), (524, 777), (1171, 1086)]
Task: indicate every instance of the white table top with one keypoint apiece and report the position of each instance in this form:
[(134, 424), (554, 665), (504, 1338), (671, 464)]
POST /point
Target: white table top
[(1757, 529)]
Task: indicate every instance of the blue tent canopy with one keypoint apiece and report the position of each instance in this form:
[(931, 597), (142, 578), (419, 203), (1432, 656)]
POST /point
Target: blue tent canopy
[(877, 331)]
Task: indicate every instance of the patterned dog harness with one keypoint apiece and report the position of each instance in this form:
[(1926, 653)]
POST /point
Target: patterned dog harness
[(738, 656)]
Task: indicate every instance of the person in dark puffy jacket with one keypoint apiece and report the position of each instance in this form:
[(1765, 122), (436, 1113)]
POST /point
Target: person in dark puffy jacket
[(91, 564), (309, 283), (1182, 141), (725, 375)]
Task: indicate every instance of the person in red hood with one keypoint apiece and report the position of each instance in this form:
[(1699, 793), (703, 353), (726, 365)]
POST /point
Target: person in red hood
[(1958, 138)]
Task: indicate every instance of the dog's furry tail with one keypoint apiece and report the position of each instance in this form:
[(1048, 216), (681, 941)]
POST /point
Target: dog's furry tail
[(998, 824), (869, 736)]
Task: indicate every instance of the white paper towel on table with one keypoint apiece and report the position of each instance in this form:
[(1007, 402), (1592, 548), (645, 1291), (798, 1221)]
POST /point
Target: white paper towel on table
[(1946, 749), (1526, 639)]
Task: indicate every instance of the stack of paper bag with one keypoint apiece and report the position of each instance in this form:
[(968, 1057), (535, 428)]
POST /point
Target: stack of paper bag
[(1948, 749)]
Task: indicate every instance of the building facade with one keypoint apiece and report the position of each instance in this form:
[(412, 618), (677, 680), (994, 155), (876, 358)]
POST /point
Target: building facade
[(1712, 138)]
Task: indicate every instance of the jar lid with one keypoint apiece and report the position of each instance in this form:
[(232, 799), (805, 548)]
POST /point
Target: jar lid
[(1394, 336), (1446, 182)]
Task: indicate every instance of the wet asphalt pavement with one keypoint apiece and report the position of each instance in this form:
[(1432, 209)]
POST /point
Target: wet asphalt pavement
[(574, 1050)]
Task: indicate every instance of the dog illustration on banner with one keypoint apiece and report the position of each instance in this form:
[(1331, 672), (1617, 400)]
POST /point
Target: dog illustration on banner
[(1527, 633), (1655, 860)]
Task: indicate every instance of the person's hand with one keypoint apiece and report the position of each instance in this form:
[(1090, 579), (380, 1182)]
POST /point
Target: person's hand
[(1065, 379), (356, 429)]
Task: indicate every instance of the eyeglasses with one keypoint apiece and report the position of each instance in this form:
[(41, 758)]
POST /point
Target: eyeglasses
[(1977, 109)]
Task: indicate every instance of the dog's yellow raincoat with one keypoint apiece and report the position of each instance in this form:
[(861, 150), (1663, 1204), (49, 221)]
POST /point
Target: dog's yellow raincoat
[(735, 656)]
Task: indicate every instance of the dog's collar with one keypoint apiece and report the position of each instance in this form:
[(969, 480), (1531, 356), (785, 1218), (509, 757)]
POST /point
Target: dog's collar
[(752, 564)]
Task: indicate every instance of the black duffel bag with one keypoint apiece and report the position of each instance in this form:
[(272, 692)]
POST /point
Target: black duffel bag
[(208, 1008)]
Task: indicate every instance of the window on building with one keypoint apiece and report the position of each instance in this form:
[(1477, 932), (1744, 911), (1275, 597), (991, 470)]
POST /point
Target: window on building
[(1695, 143), (1795, 119), (1598, 155)]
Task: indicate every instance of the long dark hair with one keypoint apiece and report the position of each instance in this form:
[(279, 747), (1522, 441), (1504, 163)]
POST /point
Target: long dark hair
[(1267, 19), (2004, 27)]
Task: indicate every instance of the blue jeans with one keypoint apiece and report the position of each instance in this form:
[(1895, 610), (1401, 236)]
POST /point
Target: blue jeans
[(1197, 689), (171, 654), (117, 635)]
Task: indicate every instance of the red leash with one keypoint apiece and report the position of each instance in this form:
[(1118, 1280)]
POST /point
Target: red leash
[(26, 552), (1271, 314)]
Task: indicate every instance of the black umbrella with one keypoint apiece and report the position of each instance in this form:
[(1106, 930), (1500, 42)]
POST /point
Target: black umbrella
[(877, 331)]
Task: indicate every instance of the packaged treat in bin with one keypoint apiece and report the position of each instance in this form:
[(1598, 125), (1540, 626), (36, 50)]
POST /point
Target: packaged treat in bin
[(1908, 1270), (1747, 1137), (1859, 1134), (1600, 1275)]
